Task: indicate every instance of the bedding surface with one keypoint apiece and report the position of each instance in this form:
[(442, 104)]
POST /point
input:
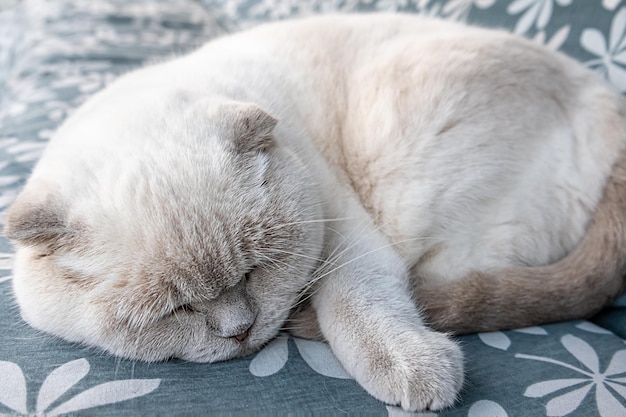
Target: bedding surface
[(55, 54)]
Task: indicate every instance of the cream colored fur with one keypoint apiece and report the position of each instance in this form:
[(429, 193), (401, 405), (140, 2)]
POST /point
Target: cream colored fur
[(185, 210)]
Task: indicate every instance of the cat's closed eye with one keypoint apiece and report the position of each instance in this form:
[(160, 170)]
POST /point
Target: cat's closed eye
[(247, 276)]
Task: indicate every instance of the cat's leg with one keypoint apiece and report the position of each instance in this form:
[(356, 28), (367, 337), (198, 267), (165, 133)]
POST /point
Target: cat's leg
[(367, 316)]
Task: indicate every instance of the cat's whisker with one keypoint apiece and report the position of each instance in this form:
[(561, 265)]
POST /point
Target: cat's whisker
[(352, 235), (281, 268), (335, 231), (323, 274), (307, 222), (312, 258), (398, 242), (315, 279), (369, 253), (304, 291)]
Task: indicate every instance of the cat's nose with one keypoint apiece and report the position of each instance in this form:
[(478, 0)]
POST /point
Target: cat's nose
[(238, 329), (241, 333), (241, 337)]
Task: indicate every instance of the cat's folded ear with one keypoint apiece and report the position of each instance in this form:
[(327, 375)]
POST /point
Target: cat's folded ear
[(251, 127), (36, 218)]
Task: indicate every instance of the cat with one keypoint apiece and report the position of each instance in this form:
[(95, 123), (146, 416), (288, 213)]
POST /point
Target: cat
[(379, 181)]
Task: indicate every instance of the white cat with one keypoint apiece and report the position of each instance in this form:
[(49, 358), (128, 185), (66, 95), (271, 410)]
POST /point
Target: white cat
[(353, 163)]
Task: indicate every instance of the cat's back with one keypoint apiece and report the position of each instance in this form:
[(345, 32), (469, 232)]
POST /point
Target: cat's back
[(449, 133)]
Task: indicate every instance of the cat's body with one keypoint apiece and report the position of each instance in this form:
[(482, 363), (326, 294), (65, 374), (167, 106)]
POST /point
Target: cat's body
[(412, 159)]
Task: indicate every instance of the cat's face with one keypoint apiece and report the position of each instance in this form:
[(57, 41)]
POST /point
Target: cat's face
[(180, 231)]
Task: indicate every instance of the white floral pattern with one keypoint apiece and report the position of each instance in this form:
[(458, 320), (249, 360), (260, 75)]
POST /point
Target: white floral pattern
[(612, 54), (567, 402), (460, 9), (484, 408), (500, 340), (614, 376), (611, 4), (592, 328), (13, 390), (535, 13), (317, 355), (556, 41)]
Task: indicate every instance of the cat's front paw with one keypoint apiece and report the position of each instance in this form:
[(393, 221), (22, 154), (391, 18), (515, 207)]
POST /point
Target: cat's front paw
[(417, 371)]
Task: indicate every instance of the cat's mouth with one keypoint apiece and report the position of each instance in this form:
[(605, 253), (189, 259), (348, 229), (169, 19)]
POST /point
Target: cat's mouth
[(254, 341), (236, 346)]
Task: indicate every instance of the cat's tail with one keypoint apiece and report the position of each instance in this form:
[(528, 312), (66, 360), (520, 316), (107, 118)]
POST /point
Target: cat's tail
[(577, 286)]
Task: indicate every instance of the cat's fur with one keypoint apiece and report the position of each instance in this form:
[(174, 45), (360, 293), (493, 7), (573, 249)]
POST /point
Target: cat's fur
[(363, 162)]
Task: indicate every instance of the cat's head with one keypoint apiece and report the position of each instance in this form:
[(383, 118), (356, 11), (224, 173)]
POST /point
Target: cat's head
[(157, 230)]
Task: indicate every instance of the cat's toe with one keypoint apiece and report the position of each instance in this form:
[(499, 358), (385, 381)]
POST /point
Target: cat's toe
[(420, 371)]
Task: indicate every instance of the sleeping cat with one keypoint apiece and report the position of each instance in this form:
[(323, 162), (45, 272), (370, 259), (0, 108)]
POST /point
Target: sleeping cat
[(385, 176)]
